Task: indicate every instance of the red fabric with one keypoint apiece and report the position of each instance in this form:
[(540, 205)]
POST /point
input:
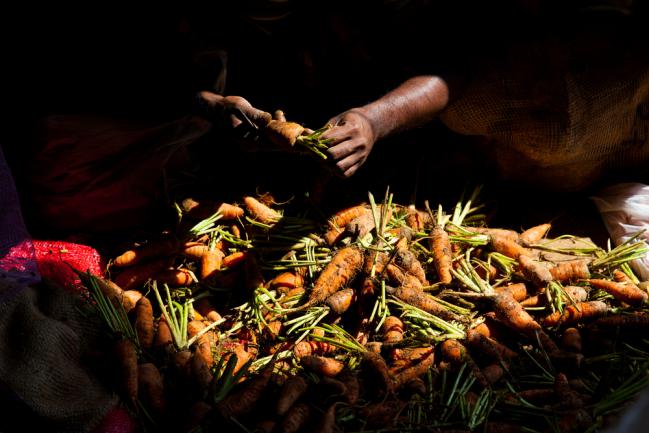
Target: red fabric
[(56, 259)]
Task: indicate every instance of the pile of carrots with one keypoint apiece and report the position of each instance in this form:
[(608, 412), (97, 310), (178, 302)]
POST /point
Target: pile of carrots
[(380, 317)]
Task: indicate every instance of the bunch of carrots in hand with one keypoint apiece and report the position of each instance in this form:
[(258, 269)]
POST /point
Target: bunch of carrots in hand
[(287, 134), (381, 317)]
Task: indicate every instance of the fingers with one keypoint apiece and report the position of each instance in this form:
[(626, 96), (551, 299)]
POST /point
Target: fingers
[(340, 133)]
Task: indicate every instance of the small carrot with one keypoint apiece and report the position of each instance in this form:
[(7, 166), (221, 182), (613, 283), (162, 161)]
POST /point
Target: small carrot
[(638, 321), (417, 298), (261, 212), (392, 329), (440, 246), (360, 226), (568, 398), (506, 246), (135, 276), (382, 414), (286, 281), (163, 335), (397, 277), (375, 368), (624, 292), (325, 366), (296, 418), (292, 390), (571, 340), (570, 270), (283, 133), (534, 301), (243, 401), (575, 313), (576, 293), (229, 212), (493, 349), (422, 361), (454, 352), (352, 386), (144, 322), (339, 220), (151, 388), (308, 348), (206, 309), (340, 301), (407, 261), (537, 272), (493, 373), (496, 234), (234, 259), (418, 220), (211, 262), (126, 356), (161, 248), (175, 277), (517, 290), (534, 234)]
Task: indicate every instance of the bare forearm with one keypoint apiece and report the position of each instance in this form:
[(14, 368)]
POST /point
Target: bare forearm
[(414, 103)]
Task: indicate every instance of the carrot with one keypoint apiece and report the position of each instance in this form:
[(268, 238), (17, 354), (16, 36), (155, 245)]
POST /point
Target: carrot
[(296, 418), (415, 371), (194, 250), (414, 387), (328, 388), (493, 373), (283, 133), (575, 313), (338, 273), (624, 292), (495, 233), (136, 276), (151, 388), (382, 414), (340, 301), (292, 390), (149, 250), (229, 212), (454, 352), (340, 219), (243, 401), (352, 386), (571, 340), (181, 363), (534, 234), (163, 334), (144, 322), (517, 290), (206, 309), (512, 314), (397, 277), (126, 355), (570, 270), (638, 321), (234, 259), (488, 346), (537, 396), (261, 212), (407, 261), (535, 271), (506, 246), (360, 226), (377, 371), (211, 262), (440, 246), (417, 298), (201, 375), (322, 365), (392, 329), (286, 281), (308, 348), (576, 293), (327, 422), (175, 277), (568, 398), (418, 220)]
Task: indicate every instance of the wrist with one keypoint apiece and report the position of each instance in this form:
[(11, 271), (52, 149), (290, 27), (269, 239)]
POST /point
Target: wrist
[(373, 119)]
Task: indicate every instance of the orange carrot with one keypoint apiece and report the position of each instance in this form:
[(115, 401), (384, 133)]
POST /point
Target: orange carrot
[(325, 366), (570, 270), (308, 348), (243, 401), (378, 373), (144, 322), (360, 226), (151, 388), (296, 418), (568, 398), (571, 340), (496, 234), (175, 277), (229, 212), (339, 220), (136, 276), (234, 259), (534, 301), (420, 362), (493, 373), (407, 261), (534, 234), (454, 352), (576, 293), (149, 250), (352, 386), (537, 272), (286, 281), (340, 301), (638, 321), (283, 133), (417, 298), (397, 277), (504, 245), (392, 329), (418, 220), (206, 309), (488, 346), (292, 390), (163, 334), (518, 290), (575, 313), (261, 212), (126, 354), (211, 262), (624, 292), (440, 246)]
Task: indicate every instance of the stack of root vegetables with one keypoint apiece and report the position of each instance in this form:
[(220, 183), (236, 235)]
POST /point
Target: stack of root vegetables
[(381, 317)]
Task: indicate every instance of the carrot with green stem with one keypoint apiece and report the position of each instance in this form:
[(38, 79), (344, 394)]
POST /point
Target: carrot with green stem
[(570, 270), (534, 234), (440, 246), (339, 221), (575, 313), (161, 248), (260, 212), (144, 322), (245, 399), (392, 329), (454, 352), (624, 292)]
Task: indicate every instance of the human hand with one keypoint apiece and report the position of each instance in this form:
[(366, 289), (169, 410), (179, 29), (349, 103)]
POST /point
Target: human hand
[(352, 137), (233, 110)]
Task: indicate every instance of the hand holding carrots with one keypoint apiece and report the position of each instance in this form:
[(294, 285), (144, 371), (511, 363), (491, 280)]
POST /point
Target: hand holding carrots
[(234, 110), (352, 138)]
